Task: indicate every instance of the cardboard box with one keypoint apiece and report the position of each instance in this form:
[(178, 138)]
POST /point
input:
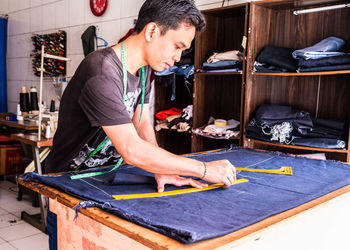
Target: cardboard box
[(10, 158)]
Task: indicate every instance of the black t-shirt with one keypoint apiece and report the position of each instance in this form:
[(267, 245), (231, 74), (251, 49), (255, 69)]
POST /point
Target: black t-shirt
[(94, 98)]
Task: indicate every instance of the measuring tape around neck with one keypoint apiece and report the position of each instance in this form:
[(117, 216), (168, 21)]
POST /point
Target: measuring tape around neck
[(125, 81)]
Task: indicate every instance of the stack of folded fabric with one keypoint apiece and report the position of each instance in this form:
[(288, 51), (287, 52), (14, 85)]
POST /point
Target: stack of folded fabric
[(323, 56), (175, 119), (284, 124), (275, 59), (229, 61)]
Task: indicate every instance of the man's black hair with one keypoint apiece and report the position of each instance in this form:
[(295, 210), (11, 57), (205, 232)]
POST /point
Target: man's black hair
[(169, 14)]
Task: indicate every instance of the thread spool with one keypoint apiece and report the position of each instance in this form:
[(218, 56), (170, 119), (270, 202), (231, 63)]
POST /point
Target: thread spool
[(52, 105), (48, 131), (19, 113), (220, 122), (33, 98), (24, 100)]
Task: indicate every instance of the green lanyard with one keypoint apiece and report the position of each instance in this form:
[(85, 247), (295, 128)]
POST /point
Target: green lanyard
[(125, 80)]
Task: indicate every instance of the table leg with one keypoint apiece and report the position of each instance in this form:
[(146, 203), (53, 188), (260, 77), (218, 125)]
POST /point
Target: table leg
[(37, 220)]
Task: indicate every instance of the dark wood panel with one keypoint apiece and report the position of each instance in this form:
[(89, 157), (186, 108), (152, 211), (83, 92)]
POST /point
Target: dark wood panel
[(334, 98), (173, 141), (217, 96), (300, 92)]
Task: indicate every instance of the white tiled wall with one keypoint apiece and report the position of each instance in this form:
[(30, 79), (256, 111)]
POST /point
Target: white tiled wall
[(28, 17)]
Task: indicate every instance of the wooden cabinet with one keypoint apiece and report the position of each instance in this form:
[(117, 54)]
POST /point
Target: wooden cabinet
[(219, 95), (325, 95)]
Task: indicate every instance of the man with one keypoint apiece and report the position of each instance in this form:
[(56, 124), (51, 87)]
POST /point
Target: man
[(96, 103)]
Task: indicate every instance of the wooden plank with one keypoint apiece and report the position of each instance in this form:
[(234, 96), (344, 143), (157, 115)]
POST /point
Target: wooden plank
[(20, 124), (155, 240), (303, 73), (32, 139), (341, 151)]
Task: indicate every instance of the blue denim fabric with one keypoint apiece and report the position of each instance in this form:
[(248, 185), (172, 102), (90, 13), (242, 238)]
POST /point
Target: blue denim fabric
[(325, 68), (319, 142), (325, 48), (327, 61), (51, 226), (203, 215)]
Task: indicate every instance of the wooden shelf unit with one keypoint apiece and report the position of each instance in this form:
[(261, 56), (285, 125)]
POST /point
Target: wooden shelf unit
[(325, 95), (219, 95)]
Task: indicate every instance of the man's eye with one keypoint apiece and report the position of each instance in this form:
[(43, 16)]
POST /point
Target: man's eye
[(177, 47)]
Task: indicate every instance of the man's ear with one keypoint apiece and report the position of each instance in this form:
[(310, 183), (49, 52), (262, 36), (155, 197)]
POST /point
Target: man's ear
[(151, 31)]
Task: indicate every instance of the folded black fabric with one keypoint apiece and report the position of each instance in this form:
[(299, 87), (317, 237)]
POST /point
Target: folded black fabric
[(269, 69), (336, 125), (325, 68), (224, 64), (327, 61), (279, 57)]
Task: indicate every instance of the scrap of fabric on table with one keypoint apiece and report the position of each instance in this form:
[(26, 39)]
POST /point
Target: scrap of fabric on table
[(198, 216)]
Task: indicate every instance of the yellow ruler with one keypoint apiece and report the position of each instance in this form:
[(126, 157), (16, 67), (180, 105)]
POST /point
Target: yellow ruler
[(281, 170), (174, 192)]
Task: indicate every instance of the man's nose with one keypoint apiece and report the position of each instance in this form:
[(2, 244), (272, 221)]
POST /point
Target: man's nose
[(177, 56)]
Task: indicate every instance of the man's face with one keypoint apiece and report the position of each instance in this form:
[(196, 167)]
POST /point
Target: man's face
[(164, 50)]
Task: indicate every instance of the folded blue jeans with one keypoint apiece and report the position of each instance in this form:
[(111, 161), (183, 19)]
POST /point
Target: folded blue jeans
[(325, 48)]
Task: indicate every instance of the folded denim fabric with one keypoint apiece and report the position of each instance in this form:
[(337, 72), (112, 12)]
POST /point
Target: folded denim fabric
[(325, 68), (327, 61), (325, 48), (279, 57), (319, 142), (224, 64), (222, 70)]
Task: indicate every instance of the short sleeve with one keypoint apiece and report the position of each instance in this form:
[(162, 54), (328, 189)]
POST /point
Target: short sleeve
[(102, 102)]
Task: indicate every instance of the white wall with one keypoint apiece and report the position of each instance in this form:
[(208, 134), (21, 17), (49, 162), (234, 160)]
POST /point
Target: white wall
[(28, 17)]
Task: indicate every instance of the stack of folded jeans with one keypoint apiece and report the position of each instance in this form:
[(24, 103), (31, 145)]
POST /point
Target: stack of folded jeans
[(286, 125), (275, 59), (229, 61), (323, 56)]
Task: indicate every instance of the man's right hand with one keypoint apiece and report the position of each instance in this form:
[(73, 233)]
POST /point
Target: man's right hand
[(221, 171)]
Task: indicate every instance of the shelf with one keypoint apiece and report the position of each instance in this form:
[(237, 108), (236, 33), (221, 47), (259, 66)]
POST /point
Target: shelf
[(342, 151), (175, 130), (339, 72), (218, 73)]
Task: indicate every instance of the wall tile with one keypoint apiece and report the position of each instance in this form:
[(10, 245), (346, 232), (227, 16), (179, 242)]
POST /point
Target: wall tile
[(74, 41), (110, 31), (35, 3), (48, 16), (76, 12), (113, 11), (36, 19), (73, 64), (19, 22), (4, 6), (130, 8), (16, 5), (61, 14)]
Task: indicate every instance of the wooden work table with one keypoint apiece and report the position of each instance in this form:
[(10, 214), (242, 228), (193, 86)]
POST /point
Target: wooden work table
[(95, 227), (20, 124)]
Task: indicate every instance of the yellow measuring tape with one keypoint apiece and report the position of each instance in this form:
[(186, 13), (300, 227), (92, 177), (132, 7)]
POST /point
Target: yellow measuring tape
[(281, 170), (174, 192)]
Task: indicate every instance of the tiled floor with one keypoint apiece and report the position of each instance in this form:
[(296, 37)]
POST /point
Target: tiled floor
[(14, 232)]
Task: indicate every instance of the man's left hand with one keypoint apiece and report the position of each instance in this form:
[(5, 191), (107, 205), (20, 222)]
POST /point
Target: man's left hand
[(176, 180)]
